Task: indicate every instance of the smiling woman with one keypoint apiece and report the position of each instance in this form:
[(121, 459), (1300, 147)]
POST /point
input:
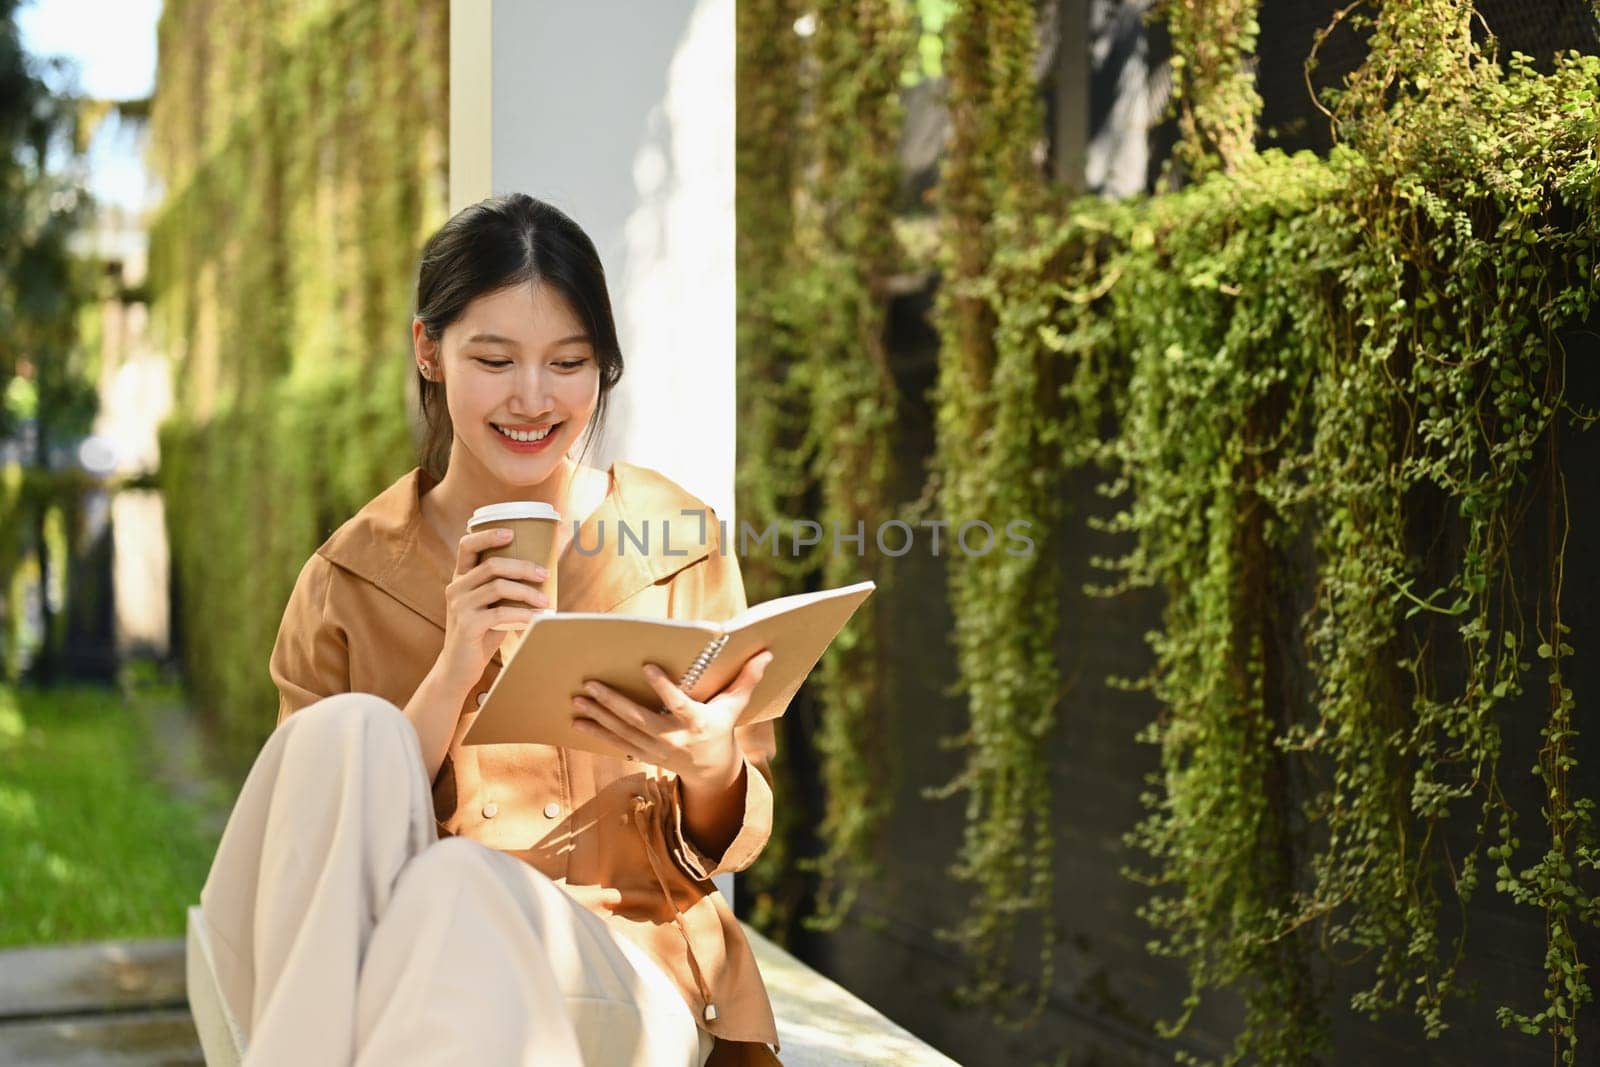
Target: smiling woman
[(520, 291), (580, 889), (521, 383)]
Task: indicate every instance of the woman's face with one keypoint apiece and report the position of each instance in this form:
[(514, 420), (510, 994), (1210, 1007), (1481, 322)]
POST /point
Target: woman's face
[(518, 362)]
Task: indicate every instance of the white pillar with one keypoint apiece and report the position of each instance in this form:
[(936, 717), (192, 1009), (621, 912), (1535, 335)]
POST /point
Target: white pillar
[(621, 114)]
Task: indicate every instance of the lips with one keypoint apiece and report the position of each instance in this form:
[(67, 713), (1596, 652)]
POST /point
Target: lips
[(528, 447)]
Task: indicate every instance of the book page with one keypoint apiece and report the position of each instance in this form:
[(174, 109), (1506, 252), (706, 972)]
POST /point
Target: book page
[(780, 605)]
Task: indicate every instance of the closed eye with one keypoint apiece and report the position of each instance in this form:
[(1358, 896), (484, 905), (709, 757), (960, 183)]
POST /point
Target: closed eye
[(496, 363), (572, 364)]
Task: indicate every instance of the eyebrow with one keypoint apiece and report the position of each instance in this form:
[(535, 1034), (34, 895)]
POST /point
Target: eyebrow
[(496, 339)]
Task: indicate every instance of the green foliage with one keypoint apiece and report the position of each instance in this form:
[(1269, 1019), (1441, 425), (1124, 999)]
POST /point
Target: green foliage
[(928, 61), (844, 233), (1313, 366), (770, 481), (304, 153), (995, 461), (817, 249), (313, 453), (80, 808), (47, 369), (1213, 80), (1222, 305), (41, 205)]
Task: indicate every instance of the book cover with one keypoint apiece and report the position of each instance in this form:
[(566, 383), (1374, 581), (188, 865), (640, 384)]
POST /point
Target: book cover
[(531, 700)]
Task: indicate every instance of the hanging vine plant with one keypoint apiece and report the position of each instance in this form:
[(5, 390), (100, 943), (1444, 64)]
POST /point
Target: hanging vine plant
[(770, 474), (845, 229), (992, 465), (1313, 367), (816, 230)]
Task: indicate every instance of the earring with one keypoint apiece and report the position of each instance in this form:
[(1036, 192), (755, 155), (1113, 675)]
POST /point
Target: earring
[(427, 371)]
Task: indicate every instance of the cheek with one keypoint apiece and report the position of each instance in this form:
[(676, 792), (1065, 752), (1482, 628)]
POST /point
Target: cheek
[(468, 401), (582, 393)]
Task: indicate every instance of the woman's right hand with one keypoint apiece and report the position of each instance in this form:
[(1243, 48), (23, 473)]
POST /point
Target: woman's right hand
[(470, 614)]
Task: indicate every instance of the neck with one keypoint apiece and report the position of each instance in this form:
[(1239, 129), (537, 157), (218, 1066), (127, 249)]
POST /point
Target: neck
[(467, 486)]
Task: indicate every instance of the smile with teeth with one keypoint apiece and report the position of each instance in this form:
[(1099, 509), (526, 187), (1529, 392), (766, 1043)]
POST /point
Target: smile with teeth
[(526, 437)]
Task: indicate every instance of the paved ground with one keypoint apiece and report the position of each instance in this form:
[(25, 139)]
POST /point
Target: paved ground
[(122, 1003), (118, 1002)]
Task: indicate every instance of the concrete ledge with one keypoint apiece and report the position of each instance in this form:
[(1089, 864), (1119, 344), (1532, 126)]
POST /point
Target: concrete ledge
[(99, 976), (823, 1024), (123, 1002), (86, 1005)]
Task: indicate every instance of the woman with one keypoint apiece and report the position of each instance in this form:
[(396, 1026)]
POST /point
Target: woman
[(543, 905)]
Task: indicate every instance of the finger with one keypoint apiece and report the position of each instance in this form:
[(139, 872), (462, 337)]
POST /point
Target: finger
[(672, 698), (520, 570), (515, 616), (754, 669), (478, 541), (626, 710), (505, 589), (590, 728), (627, 733)]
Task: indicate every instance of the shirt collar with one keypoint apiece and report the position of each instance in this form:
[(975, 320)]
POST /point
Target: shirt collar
[(389, 544)]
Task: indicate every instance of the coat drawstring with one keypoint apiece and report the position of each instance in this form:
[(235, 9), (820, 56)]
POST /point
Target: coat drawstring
[(641, 807)]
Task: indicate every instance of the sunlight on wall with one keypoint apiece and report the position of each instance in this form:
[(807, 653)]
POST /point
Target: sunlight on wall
[(642, 158), (677, 312), (621, 114)]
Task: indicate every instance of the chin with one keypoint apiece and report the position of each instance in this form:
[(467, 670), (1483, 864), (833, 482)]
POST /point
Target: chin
[(525, 470)]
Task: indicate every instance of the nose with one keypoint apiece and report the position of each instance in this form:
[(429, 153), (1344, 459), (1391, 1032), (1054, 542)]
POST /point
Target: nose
[(532, 395)]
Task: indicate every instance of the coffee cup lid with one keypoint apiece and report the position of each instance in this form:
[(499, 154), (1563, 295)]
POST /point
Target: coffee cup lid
[(513, 509)]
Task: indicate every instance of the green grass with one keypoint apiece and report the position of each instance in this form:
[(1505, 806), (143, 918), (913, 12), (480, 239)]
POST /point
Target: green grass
[(93, 843)]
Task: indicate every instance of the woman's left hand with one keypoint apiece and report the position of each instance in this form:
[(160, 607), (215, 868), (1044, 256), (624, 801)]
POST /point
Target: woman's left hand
[(691, 739)]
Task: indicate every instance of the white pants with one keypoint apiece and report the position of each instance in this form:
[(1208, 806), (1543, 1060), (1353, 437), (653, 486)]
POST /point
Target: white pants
[(346, 932)]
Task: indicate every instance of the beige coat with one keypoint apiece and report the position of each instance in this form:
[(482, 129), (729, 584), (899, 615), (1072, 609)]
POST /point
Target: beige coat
[(367, 615)]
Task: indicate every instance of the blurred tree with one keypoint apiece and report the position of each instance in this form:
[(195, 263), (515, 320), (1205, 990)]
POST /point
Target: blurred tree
[(49, 389)]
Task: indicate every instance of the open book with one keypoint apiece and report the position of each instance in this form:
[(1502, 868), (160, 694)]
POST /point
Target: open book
[(531, 701)]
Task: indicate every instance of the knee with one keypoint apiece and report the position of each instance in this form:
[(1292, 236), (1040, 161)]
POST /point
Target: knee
[(450, 863), (344, 712), (345, 721)]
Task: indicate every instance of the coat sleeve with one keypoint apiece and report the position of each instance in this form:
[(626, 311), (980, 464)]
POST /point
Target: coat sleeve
[(713, 589), (311, 658)]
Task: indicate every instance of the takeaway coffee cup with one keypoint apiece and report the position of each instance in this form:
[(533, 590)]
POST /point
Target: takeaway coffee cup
[(533, 537)]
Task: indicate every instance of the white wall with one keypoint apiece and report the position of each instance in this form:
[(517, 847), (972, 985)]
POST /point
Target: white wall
[(621, 114)]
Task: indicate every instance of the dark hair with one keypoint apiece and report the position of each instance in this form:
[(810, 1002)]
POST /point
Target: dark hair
[(489, 246)]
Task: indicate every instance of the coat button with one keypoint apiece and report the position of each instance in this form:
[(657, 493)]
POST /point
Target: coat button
[(551, 810), (481, 698), (490, 810)]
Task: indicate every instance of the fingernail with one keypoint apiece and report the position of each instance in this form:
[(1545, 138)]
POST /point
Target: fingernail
[(502, 534), (540, 574), (652, 671)]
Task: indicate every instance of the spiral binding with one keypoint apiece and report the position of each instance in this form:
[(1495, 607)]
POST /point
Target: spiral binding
[(701, 662)]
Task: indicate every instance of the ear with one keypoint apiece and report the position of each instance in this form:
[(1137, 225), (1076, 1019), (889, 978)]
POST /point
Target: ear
[(426, 350)]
